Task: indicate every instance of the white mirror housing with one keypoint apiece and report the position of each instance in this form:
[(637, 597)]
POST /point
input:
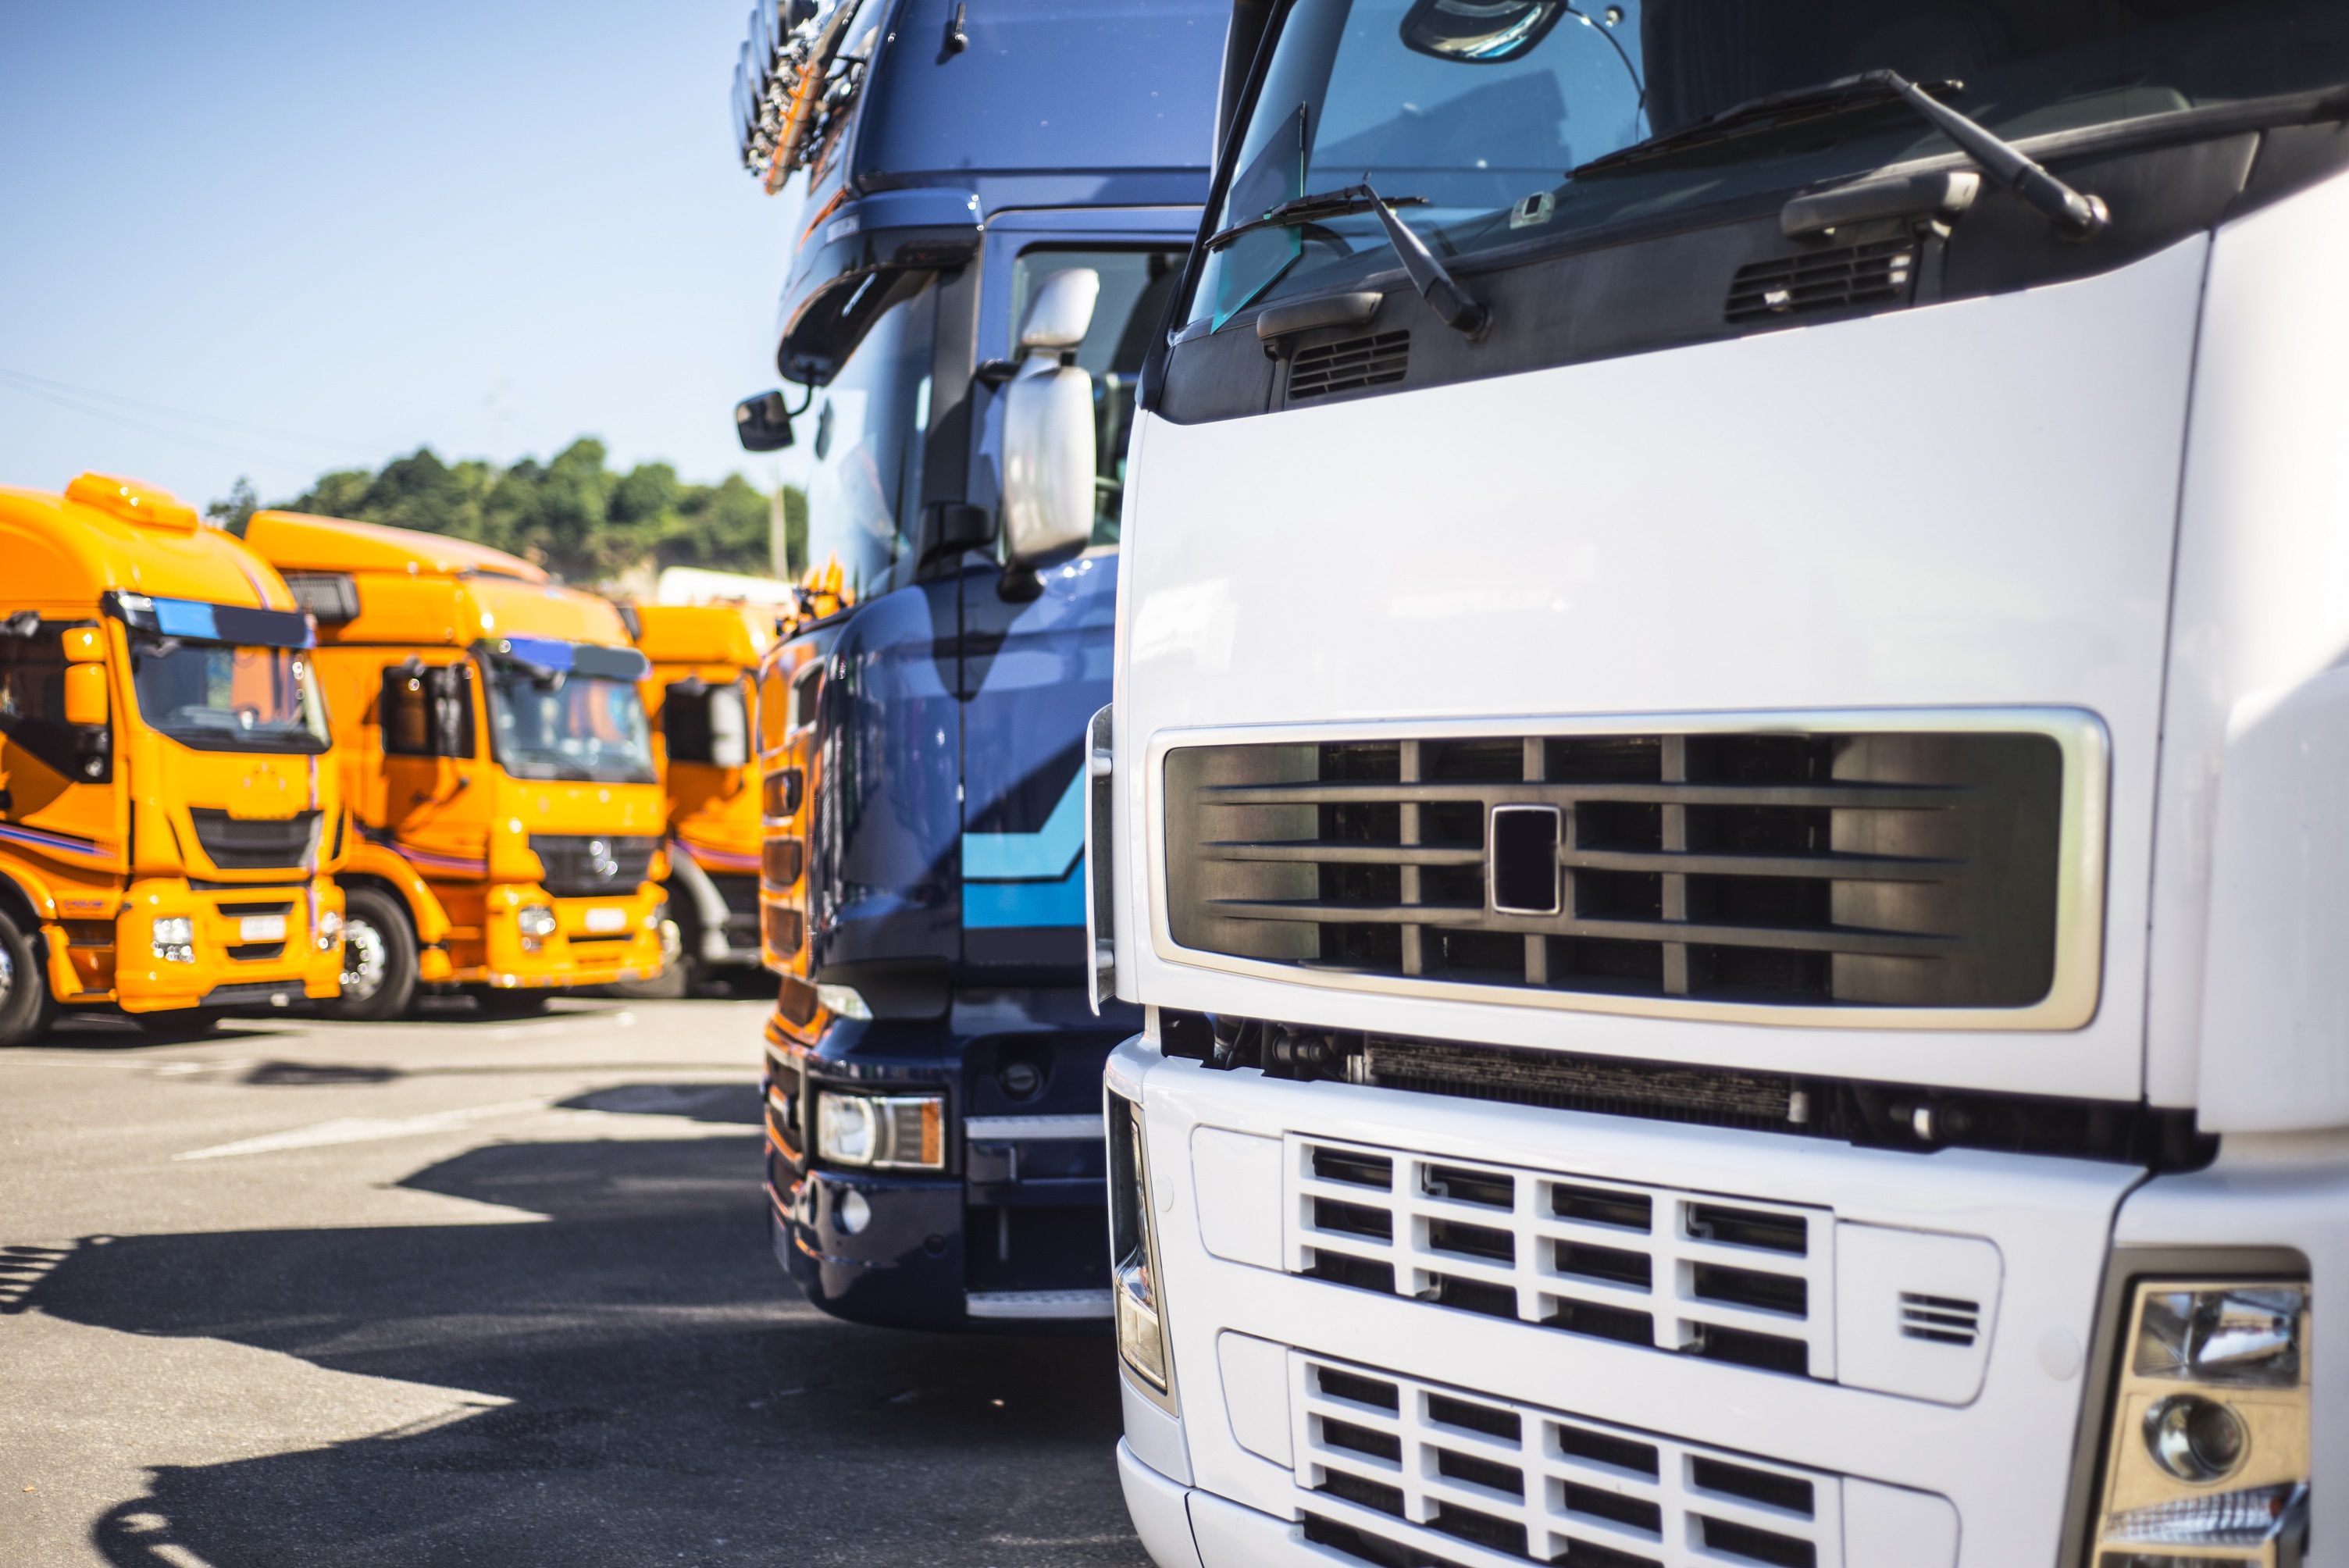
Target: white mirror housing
[(1061, 313), (1048, 459)]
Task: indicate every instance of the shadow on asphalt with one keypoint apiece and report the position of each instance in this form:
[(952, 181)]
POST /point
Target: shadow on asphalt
[(673, 1400)]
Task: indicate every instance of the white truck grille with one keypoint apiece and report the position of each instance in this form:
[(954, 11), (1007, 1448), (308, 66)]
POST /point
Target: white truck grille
[(1733, 1279), (1478, 1481)]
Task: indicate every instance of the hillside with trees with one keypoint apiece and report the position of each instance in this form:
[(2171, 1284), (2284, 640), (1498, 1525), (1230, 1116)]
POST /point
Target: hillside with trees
[(572, 515)]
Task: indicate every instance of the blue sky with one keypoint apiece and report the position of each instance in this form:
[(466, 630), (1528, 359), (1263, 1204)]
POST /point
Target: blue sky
[(284, 238)]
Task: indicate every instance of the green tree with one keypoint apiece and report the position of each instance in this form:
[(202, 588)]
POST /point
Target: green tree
[(234, 512), (572, 514)]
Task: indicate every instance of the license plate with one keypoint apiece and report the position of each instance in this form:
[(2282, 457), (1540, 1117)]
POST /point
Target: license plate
[(260, 928), (607, 920)]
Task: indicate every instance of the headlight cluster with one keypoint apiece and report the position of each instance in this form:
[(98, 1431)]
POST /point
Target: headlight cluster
[(175, 939), (2209, 1453), (888, 1131), (1133, 1253), (536, 922), (328, 931)]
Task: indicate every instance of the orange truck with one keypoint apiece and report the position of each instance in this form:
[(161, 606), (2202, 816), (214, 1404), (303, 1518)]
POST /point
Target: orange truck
[(170, 805), (507, 815), (701, 695)]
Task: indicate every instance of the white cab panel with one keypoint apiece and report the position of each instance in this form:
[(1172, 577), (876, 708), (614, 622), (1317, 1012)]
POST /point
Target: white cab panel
[(1971, 504), (2262, 611), (1237, 1177)]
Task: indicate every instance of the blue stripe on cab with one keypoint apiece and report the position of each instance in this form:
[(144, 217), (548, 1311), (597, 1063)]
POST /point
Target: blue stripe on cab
[(1062, 903)]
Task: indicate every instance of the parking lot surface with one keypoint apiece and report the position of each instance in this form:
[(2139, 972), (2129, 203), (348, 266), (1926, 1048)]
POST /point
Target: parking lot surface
[(478, 1291)]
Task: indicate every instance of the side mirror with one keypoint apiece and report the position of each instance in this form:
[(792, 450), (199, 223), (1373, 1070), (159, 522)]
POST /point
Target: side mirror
[(85, 694), (761, 423), (1049, 460)]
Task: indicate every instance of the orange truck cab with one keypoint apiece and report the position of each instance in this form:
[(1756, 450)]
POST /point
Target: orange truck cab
[(701, 694), (169, 801), (496, 758)]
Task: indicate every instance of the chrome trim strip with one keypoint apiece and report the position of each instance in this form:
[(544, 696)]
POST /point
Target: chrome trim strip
[(1060, 1303), (991, 1128), (2071, 997)]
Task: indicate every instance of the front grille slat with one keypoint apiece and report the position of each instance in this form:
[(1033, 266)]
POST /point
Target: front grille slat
[(254, 844), (1623, 1262), (1919, 870), (1349, 365), (1538, 1485), (585, 866)]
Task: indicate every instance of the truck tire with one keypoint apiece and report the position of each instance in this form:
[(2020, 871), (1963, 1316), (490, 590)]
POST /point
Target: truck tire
[(379, 958), (27, 1008)]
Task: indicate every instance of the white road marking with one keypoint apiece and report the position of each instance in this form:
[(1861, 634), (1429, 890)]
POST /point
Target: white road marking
[(366, 1129)]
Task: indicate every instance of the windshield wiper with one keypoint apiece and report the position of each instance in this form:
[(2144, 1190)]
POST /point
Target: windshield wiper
[(1342, 203), (1428, 276), (2079, 216)]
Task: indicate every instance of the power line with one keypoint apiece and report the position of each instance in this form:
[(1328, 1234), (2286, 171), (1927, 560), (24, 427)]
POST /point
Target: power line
[(43, 385)]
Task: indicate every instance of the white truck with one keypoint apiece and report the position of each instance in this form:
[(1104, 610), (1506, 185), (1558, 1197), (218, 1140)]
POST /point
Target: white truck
[(1728, 794)]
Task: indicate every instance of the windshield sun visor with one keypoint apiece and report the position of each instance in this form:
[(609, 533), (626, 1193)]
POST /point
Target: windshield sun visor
[(201, 622), (859, 258), (556, 657)]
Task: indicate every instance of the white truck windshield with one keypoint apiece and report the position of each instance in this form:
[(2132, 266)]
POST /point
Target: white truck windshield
[(1492, 111)]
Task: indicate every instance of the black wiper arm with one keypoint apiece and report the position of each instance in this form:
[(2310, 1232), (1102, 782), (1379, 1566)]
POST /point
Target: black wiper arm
[(1310, 209), (1428, 276), (2079, 216)]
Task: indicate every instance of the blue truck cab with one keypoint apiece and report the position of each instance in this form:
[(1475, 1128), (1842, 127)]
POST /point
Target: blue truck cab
[(1000, 197)]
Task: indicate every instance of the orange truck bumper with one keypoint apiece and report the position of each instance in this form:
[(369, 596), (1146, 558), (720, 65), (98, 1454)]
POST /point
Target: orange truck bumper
[(248, 946)]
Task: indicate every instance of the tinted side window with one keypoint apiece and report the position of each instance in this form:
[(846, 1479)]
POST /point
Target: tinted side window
[(428, 712), (1134, 284), (704, 723), (33, 708), (865, 487)]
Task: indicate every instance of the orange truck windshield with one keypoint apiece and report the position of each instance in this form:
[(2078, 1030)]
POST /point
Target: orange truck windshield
[(561, 724), (220, 697)]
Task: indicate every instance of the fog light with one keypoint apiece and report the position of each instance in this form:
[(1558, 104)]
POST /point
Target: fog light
[(2214, 1388), (328, 931), (656, 916), (2194, 1438), (897, 1131), (850, 1212), (536, 920), (175, 939)]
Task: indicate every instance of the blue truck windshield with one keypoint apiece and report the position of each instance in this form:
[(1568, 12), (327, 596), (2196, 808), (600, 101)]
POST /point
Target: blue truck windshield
[(1046, 85), (1483, 107)]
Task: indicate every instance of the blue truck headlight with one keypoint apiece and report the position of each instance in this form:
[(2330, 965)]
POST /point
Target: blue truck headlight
[(175, 939), (891, 1131), (2209, 1447), (1135, 1282)]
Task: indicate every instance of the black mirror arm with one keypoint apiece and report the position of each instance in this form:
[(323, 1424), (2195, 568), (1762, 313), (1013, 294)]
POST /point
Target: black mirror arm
[(1430, 276)]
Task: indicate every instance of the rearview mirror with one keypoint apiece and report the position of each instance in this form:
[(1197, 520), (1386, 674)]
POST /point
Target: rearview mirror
[(85, 694), (1049, 460), (762, 424), (1479, 32)]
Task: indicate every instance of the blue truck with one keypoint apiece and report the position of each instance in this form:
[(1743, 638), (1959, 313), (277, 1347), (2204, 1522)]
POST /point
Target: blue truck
[(999, 200)]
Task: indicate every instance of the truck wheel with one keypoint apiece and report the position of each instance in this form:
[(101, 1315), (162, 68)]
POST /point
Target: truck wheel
[(26, 1006), (379, 958)]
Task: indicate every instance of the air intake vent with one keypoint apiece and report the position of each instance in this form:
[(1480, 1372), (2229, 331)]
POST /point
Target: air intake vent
[(1744, 1281), (584, 865), (1346, 366), (1943, 1319), (245, 844), (1662, 873), (1407, 1475), (1880, 274)]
